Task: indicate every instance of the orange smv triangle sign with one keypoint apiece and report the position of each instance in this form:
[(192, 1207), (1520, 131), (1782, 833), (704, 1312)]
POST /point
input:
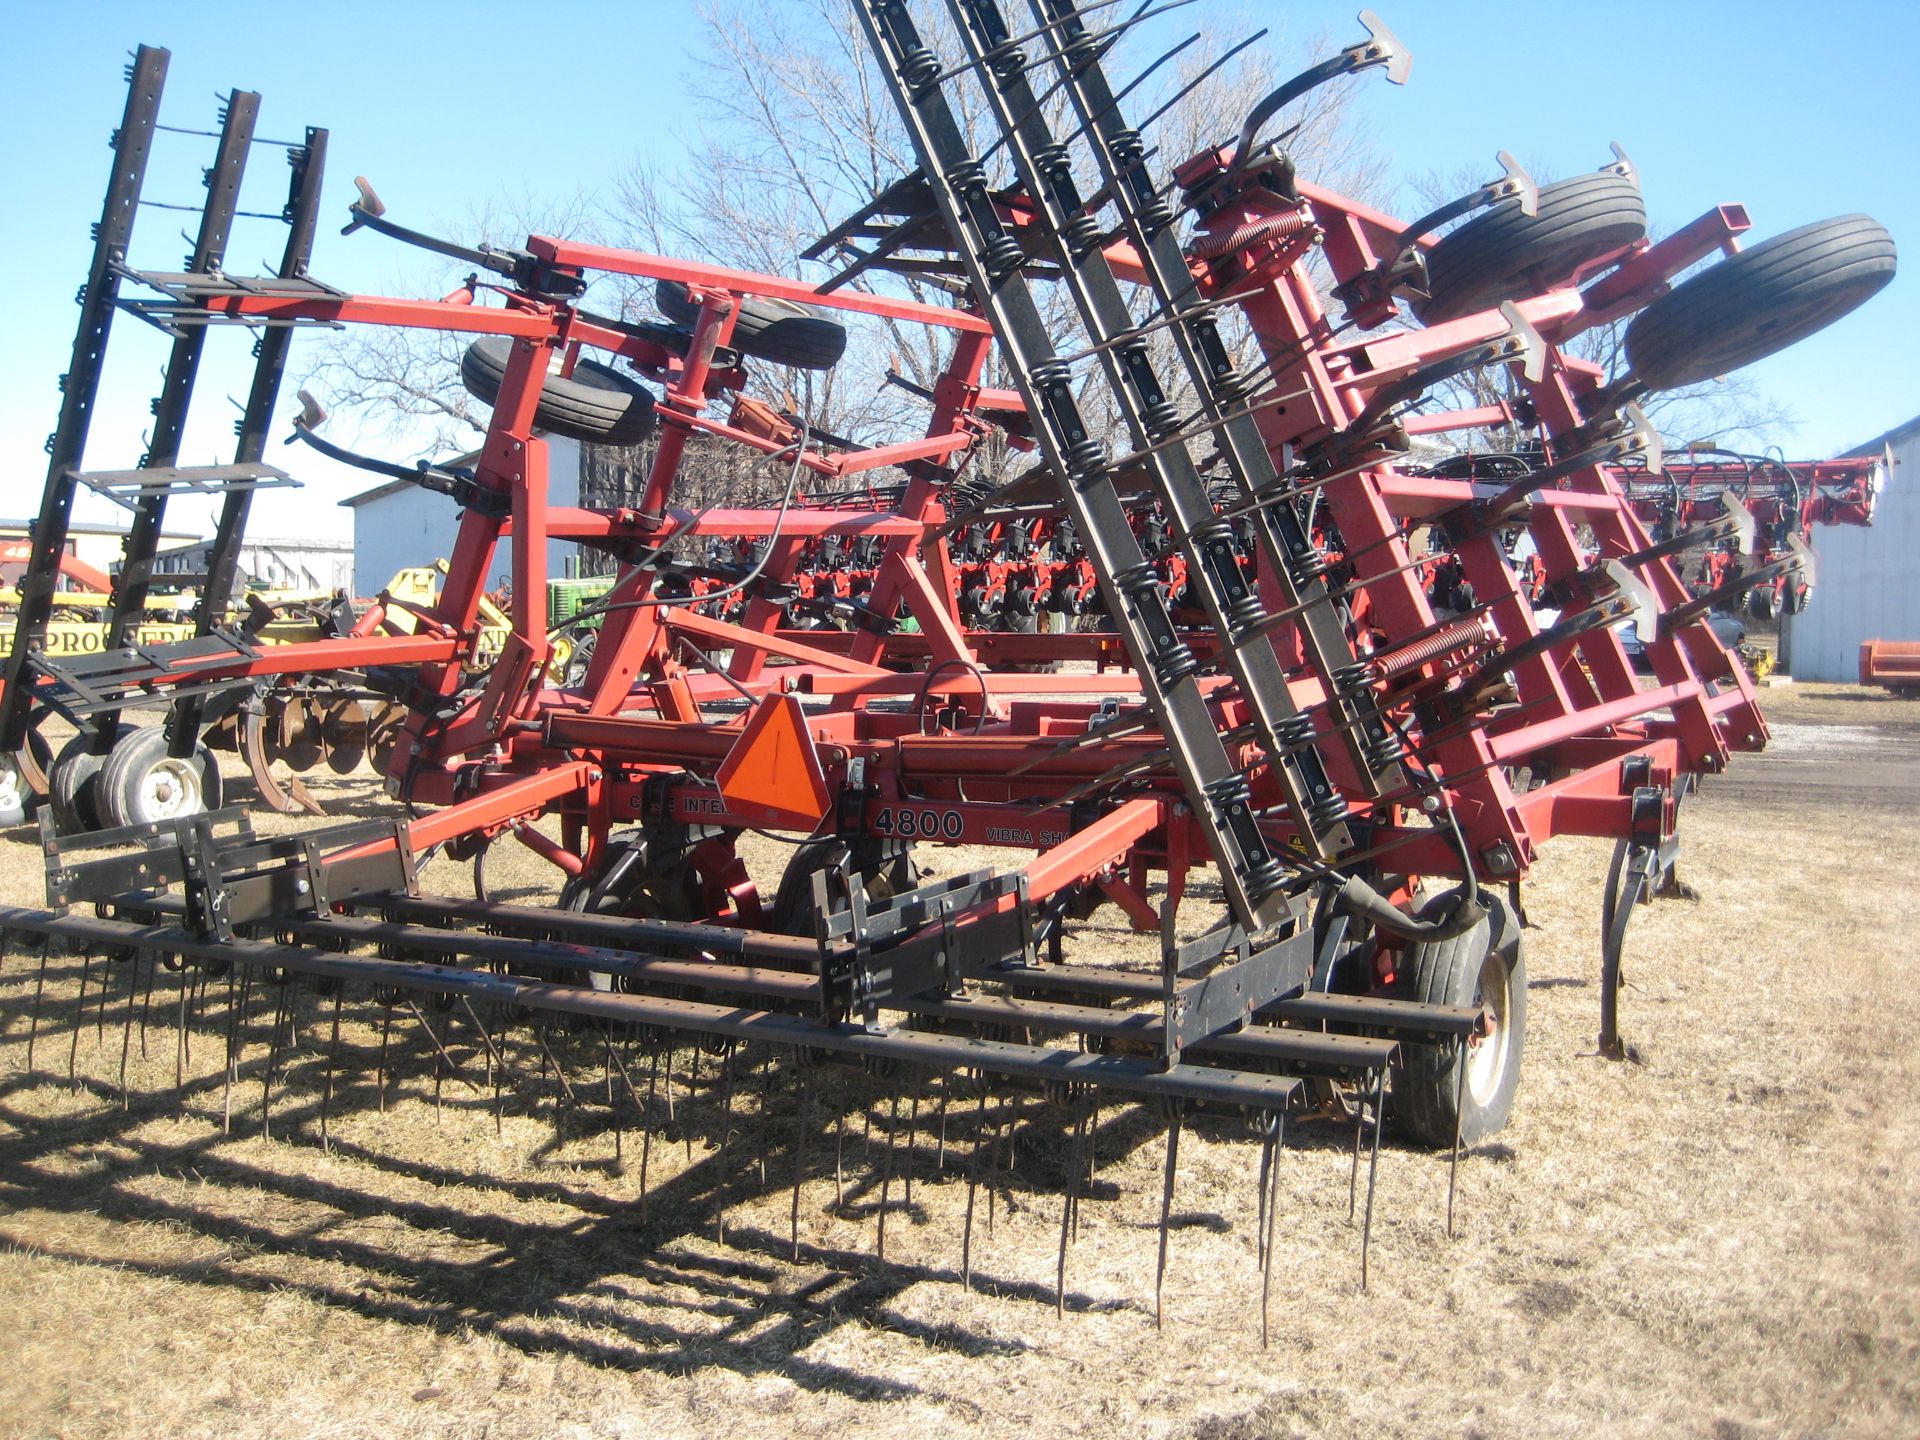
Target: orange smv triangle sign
[(773, 772)]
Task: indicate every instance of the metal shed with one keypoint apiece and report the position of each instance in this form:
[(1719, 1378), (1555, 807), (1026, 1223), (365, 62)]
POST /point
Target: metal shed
[(1868, 584)]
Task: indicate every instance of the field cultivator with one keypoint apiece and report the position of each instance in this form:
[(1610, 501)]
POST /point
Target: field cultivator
[(1363, 692)]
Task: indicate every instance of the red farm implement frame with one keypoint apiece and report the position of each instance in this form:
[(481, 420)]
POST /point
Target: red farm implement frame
[(1283, 693)]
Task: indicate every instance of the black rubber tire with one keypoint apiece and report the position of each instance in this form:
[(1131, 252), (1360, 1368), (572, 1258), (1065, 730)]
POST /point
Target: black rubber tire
[(1452, 972), (1750, 305), (31, 765), (121, 792), (780, 332), (674, 896), (73, 788), (886, 869), (596, 403), (1501, 254)]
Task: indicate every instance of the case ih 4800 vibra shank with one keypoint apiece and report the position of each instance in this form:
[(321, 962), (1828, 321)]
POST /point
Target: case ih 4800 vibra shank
[(1364, 691)]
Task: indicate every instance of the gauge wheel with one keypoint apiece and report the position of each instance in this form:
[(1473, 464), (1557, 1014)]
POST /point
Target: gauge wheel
[(141, 783), (1484, 968), (1759, 301)]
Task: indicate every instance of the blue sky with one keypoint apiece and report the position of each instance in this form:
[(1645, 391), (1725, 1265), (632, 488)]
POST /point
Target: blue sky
[(1798, 111)]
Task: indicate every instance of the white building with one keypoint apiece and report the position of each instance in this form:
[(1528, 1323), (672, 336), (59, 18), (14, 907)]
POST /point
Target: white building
[(1868, 582), (285, 564), (401, 524), (100, 546)]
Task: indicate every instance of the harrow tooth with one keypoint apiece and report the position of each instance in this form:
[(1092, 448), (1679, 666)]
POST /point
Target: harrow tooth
[(444, 1057), (100, 1009), (801, 1126), (1373, 1170), (1459, 1102), (80, 1019), (906, 1165), (146, 1000), (1353, 1172), (39, 990), (333, 1059), (563, 1099), (693, 1080), (280, 1006), (886, 1179), (496, 1062), (386, 1028), (126, 1028), (940, 1145), (180, 1036), (236, 1041), (993, 1165), (724, 1148), (646, 1132), (1273, 1141), (973, 1185), (1166, 1214), (615, 1060), (1069, 1210)]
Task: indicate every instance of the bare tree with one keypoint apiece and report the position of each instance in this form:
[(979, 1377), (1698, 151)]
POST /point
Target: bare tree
[(796, 131), (403, 384)]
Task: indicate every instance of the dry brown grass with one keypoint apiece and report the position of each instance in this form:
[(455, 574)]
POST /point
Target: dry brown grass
[(1715, 1241)]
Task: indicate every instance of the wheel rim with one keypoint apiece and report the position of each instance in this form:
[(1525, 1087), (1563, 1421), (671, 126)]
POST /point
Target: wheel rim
[(1487, 1053), (170, 788)]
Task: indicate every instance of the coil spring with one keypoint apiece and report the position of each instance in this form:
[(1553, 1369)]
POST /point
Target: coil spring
[(1160, 417), (1265, 877), (1329, 811), (1445, 640), (1174, 663), (1294, 732), (1221, 244), (1080, 48), (1006, 64), (1382, 748), (1156, 215), (1232, 801), (1229, 386), (1002, 256), (1082, 233), (1245, 614), (1351, 678), (1230, 795), (919, 68), (1086, 458)]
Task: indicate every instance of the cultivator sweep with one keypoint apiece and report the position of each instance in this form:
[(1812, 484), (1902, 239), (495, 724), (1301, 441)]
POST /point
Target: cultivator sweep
[(1327, 670)]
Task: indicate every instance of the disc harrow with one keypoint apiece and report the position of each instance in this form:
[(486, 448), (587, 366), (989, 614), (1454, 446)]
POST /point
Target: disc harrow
[(1167, 614)]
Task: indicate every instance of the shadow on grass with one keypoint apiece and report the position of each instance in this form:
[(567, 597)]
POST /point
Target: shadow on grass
[(662, 1280)]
